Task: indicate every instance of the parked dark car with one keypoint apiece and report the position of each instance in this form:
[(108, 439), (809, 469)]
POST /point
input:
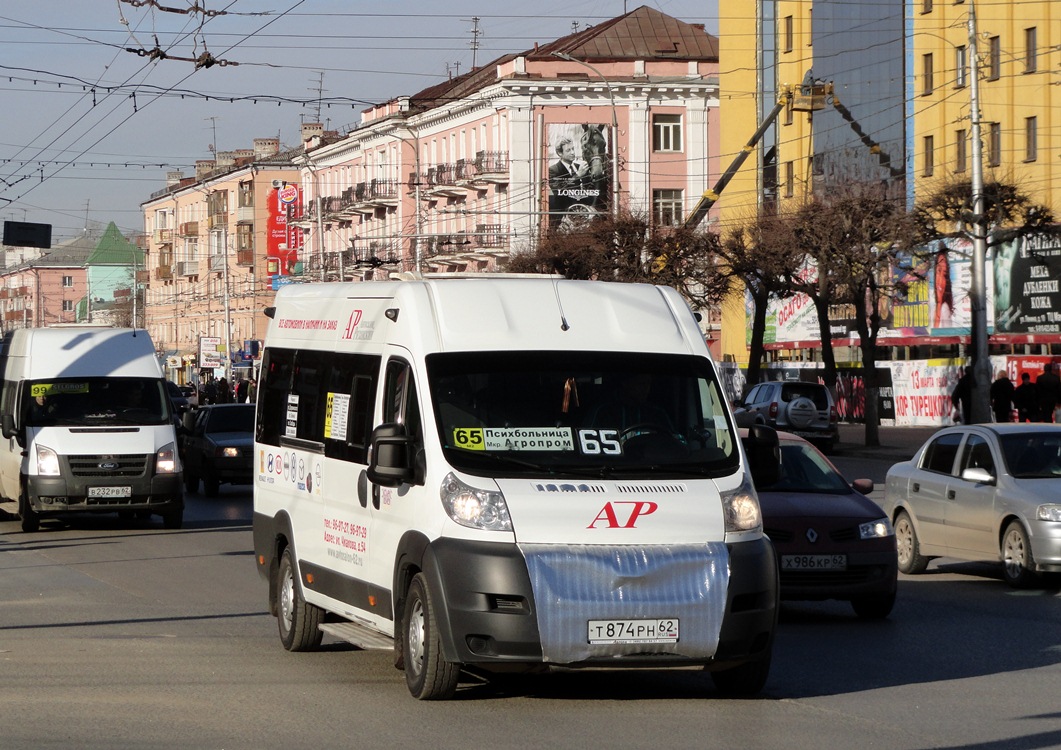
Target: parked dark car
[(177, 398), (832, 541), (218, 447)]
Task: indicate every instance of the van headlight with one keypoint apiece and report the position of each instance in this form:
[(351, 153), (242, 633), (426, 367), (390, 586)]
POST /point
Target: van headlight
[(47, 462), (741, 507), (166, 460), (474, 508), (878, 529)]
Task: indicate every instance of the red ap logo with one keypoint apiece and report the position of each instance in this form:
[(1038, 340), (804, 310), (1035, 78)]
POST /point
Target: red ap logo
[(609, 514), (351, 324)]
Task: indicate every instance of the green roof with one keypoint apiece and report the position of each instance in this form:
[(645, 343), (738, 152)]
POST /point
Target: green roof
[(114, 250)]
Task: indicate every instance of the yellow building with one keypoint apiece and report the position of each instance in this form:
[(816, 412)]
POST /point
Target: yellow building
[(901, 105)]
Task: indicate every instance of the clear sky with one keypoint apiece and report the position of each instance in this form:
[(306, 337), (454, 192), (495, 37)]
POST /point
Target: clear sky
[(93, 116)]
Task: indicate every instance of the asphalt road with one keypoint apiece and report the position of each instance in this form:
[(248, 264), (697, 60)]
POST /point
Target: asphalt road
[(119, 635)]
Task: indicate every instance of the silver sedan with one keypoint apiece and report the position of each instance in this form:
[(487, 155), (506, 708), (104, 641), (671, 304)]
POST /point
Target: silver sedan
[(981, 492)]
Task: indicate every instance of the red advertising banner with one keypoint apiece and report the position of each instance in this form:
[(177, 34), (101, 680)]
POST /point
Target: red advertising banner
[(284, 240)]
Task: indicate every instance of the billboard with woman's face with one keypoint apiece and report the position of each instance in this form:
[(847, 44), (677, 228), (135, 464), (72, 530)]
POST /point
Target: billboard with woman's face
[(1027, 271)]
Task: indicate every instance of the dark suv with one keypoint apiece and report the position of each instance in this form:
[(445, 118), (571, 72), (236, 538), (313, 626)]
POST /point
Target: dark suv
[(804, 409)]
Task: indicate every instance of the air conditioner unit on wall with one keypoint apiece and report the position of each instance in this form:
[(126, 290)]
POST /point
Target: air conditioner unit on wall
[(278, 184)]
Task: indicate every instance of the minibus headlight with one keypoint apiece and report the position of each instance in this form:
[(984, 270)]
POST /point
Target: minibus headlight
[(741, 506), (1049, 512), (47, 462), (166, 460), (474, 508)]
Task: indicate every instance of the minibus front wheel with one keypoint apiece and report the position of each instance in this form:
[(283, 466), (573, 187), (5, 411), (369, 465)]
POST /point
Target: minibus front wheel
[(299, 621), (31, 519), (427, 673)]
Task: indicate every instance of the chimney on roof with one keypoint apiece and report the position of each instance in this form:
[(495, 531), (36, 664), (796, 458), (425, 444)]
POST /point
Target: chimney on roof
[(311, 130), (266, 147), (203, 167), (173, 178)]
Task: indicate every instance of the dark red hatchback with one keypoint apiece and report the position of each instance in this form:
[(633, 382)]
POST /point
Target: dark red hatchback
[(832, 541)]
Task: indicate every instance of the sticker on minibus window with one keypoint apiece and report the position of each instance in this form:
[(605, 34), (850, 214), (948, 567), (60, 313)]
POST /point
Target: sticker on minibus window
[(514, 438), (337, 408), (52, 389)]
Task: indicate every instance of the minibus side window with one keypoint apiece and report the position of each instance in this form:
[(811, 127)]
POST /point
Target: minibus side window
[(399, 398), (311, 370), (350, 392), (275, 376)]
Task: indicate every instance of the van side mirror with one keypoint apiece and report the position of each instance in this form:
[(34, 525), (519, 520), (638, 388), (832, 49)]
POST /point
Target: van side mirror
[(7, 425), (764, 455), (390, 456)]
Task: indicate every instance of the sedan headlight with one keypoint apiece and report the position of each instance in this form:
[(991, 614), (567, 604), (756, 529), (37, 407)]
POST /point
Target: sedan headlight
[(229, 451), (474, 508), (1049, 513), (47, 462), (741, 508), (878, 529), (166, 460)]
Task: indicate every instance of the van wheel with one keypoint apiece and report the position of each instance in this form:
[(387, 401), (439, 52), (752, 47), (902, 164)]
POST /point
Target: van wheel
[(191, 482), (299, 622), (173, 519), (743, 681), (428, 675), (31, 519), (211, 486)]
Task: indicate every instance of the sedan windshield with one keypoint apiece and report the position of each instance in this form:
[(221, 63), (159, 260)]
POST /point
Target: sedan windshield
[(95, 402), (582, 414), (1032, 455)]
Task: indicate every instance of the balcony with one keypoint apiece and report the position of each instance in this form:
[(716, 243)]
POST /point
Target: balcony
[(217, 262), (163, 237), (217, 220), (188, 268), (164, 272), (490, 166), (491, 235), (17, 314), (245, 257), (383, 193), (189, 229)]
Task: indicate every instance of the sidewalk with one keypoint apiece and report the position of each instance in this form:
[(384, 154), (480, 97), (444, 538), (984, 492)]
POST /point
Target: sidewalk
[(896, 443)]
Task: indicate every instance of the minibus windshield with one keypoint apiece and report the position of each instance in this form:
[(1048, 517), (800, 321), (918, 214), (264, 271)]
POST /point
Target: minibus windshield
[(100, 401), (582, 414)]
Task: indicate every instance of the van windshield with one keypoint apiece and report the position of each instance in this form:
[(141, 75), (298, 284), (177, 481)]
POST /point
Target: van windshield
[(582, 414), (94, 402)]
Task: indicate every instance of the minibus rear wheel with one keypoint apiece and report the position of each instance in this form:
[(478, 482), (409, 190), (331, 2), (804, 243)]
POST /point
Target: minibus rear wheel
[(427, 673), (299, 622)]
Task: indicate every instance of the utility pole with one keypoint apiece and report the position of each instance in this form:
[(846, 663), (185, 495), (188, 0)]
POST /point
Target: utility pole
[(476, 32), (982, 374)]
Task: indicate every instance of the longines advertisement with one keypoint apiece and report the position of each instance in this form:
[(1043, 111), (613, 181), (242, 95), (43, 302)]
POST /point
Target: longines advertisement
[(579, 173)]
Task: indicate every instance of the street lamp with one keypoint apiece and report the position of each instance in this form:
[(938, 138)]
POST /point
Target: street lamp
[(615, 128), (416, 188)]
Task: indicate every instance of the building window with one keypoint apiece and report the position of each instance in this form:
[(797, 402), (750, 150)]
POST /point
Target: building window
[(68, 305), (929, 143), (994, 144), (1031, 60), (994, 58), (926, 74), (790, 178), (667, 207), (786, 34), (960, 146), (666, 132), (1031, 138), (961, 67), (68, 281)]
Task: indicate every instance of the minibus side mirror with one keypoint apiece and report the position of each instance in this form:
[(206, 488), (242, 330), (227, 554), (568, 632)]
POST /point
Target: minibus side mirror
[(764, 455), (390, 461)]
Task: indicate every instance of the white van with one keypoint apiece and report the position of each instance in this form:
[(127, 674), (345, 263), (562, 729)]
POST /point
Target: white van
[(499, 473), (87, 425)]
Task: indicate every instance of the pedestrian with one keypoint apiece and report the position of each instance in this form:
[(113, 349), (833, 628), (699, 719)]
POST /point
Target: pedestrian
[(962, 397), (1025, 398), (1048, 388), (224, 395), (1002, 397), (241, 391)]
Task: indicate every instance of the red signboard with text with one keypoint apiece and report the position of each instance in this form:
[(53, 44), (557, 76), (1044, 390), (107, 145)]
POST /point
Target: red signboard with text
[(284, 239)]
